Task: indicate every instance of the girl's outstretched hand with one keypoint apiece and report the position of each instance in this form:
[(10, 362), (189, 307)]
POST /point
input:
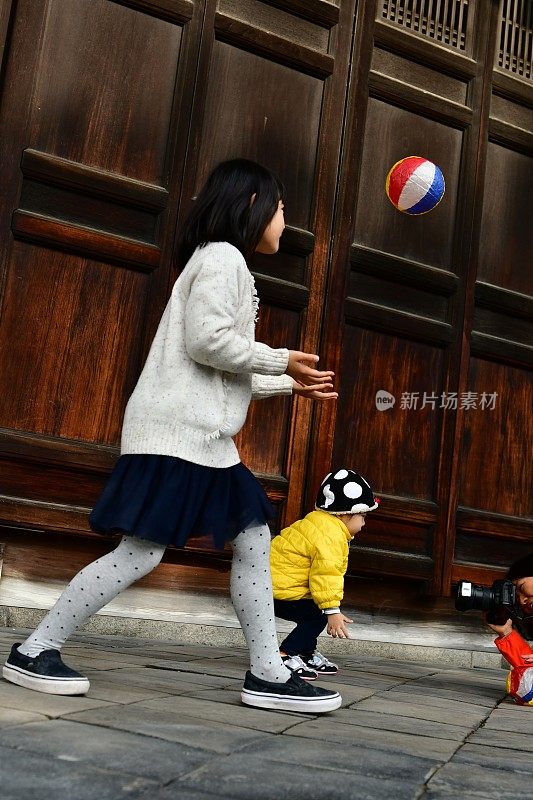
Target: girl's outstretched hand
[(316, 391), (308, 381)]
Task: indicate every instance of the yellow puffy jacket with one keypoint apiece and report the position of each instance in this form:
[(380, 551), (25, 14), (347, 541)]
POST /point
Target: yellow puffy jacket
[(309, 559)]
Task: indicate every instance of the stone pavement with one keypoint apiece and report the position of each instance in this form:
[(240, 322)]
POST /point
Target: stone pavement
[(164, 720)]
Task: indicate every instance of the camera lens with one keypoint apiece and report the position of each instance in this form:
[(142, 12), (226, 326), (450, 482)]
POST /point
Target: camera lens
[(473, 597)]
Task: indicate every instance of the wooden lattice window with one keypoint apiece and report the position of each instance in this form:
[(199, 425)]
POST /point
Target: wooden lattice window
[(515, 52), (445, 21)]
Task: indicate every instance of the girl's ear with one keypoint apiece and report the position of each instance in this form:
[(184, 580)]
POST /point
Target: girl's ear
[(252, 198)]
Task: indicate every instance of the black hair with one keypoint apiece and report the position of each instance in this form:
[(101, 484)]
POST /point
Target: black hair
[(523, 568), (222, 211)]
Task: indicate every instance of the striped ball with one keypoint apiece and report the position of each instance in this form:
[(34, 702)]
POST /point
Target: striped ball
[(415, 185)]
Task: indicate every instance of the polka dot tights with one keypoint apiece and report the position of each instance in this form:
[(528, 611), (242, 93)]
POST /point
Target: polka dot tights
[(100, 582), (91, 589), (251, 595)]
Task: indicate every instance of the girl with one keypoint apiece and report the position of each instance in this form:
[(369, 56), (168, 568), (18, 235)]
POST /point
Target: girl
[(179, 473)]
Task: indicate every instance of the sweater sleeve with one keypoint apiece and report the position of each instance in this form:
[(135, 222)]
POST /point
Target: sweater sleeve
[(210, 316), (512, 648), (326, 578), (270, 385)]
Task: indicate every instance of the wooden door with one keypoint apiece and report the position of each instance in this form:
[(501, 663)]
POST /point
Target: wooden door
[(95, 110), (118, 114), (113, 112), (435, 310)]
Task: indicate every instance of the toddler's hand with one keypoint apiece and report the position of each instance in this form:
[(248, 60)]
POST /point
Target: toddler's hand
[(337, 626), (528, 658), (305, 375)]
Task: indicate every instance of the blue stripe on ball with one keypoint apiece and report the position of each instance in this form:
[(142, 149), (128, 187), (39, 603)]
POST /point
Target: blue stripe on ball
[(432, 197)]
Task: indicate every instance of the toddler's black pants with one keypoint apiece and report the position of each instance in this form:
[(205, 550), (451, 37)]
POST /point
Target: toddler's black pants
[(310, 621)]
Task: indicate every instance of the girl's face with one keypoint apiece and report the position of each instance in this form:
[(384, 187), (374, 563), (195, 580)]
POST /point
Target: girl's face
[(269, 243)]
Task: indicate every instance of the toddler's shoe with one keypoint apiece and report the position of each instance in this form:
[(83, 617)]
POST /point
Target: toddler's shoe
[(294, 695), (44, 673), (321, 665), (298, 667)]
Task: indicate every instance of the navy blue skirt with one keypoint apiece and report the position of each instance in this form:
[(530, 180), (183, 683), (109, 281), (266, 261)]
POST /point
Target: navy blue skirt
[(168, 500)]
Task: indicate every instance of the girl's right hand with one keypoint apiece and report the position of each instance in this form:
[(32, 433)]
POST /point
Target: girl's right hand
[(300, 371)]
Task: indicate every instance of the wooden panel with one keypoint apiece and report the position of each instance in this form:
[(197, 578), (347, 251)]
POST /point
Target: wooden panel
[(390, 134), (392, 295), (83, 319), (120, 122), (489, 550), (245, 81), (409, 72), (277, 21), (273, 47), (421, 49), (495, 456), (506, 247), (384, 445)]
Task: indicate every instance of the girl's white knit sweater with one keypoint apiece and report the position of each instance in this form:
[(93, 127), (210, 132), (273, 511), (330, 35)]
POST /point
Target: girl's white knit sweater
[(204, 365)]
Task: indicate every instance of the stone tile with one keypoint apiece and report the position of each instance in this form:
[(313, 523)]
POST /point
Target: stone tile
[(171, 726), (177, 790), (492, 737), (39, 777), (488, 700), (50, 705), (105, 748), (10, 716), (408, 694), (366, 680), (390, 704), (350, 694), (394, 722), (400, 670), (114, 692), (163, 680), (472, 679), (212, 667), (501, 758), (484, 660), (360, 759), (469, 781), (242, 776), (227, 695), (231, 712), (328, 730), (511, 720), (84, 663), (123, 658)]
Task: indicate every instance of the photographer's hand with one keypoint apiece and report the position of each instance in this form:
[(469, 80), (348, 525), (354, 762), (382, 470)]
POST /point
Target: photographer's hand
[(502, 630)]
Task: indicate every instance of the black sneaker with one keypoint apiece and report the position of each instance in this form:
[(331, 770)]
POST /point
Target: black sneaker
[(298, 667), (321, 664), (44, 673), (294, 695)]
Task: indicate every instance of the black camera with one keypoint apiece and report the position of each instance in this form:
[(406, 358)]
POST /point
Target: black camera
[(498, 601)]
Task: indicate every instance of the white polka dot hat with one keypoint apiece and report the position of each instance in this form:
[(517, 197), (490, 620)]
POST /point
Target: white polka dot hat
[(345, 492)]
